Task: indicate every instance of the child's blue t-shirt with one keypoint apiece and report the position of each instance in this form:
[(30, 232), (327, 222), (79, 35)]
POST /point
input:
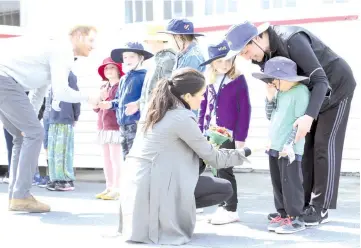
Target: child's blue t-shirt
[(291, 105)]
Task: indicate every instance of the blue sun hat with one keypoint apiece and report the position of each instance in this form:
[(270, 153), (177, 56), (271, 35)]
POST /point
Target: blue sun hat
[(136, 47), (280, 68), (239, 35), (217, 51), (180, 26)]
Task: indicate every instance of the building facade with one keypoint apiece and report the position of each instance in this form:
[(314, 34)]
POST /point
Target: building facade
[(121, 20)]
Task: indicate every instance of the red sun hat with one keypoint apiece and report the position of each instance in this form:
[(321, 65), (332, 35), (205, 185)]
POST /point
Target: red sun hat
[(109, 61)]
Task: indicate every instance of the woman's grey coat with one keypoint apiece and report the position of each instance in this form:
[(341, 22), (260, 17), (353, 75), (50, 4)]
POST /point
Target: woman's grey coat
[(160, 175)]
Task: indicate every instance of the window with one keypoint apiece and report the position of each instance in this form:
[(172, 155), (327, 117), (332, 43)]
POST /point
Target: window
[(232, 5), (189, 8), (167, 10), (149, 10), (265, 4), (209, 7), (178, 8), (277, 3), (220, 7), (138, 10), (291, 3), (10, 13)]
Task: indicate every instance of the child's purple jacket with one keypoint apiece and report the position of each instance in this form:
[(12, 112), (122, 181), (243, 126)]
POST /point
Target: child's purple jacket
[(233, 110)]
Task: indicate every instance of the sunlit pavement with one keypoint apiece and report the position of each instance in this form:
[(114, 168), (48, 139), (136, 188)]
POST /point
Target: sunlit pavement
[(78, 216)]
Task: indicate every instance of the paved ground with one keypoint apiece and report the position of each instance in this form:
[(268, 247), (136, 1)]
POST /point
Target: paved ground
[(77, 216)]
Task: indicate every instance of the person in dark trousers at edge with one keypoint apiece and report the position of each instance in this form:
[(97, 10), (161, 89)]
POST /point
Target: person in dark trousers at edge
[(332, 85)]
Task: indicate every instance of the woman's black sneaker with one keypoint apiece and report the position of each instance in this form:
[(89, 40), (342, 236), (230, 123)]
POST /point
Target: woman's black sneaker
[(314, 216)]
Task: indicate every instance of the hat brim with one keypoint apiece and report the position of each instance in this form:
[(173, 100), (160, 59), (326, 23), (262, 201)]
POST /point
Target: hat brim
[(117, 54), (174, 33), (102, 67), (211, 60), (266, 77), (260, 29)]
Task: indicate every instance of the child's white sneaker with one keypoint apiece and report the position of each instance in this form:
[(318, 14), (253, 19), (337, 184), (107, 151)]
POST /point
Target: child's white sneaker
[(199, 210), (222, 216)]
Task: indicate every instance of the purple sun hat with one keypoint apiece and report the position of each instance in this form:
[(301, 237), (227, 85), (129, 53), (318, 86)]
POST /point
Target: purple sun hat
[(180, 26), (280, 68)]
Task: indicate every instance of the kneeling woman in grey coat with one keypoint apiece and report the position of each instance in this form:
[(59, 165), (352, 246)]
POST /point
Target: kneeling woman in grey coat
[(163, 186)]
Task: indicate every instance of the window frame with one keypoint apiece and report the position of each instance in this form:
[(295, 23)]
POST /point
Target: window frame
[(183, 14), (134, 11), (10, 14), (214, 9)]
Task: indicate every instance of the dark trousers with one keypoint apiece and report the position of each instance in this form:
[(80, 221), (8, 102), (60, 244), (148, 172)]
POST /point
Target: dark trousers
[(128, 133), (227, 174), (211, 191), (323, 155), (287, 186), (9, 146)]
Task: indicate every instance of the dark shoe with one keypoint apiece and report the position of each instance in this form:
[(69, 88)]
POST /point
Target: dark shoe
[(273, 216), (51, 185), (291, 225), (315, 216), (65, 186), (69, 186)]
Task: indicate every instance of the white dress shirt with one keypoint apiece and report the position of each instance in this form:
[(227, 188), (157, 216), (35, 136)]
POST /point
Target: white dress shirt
[(36, 64)]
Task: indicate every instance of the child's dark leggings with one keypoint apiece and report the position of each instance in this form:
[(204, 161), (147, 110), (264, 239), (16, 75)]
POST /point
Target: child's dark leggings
[(128, 133), (227, 174), (287, 185)]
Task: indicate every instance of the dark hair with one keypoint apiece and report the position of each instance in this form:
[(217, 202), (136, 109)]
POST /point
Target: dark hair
[(185, 38), (168, 92), (260, 35)]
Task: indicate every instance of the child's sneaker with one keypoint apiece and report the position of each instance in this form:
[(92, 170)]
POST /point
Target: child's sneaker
[(5, 180), (111, 195), (291, 225), (222, 216), (65, 186), (99, 196), (52, 185), (70, 185), (272, 216), (43, 182), (199, 210), (275, 223), (37, 179)]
